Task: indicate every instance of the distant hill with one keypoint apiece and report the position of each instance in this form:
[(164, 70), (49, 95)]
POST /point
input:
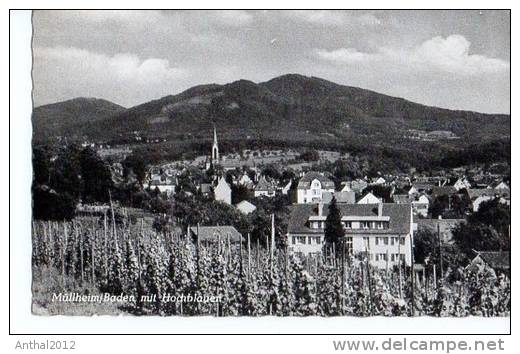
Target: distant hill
[(64, 118), (287, 108)]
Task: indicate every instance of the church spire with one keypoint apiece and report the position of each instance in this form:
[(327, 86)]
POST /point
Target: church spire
[(214, 148)]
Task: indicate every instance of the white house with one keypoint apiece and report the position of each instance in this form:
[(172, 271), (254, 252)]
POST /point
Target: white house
[(420, 205), (164, 184), (383, 231), (502, 186), (379, 181), (246, 207), (285, 189), (223, 191), (462, 183), (369, 198), (311, 187), (345, 187), (244, 180)]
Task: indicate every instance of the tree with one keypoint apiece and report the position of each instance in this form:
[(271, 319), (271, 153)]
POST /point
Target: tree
[(96, 175), (478, 237), (334, 231), (493, 213), (136, 164)]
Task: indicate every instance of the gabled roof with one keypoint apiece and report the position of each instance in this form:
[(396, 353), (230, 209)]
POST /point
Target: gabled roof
[(263, 185), (496, 259), (399, 214), (245, 203), (422, 186), (368, 198), (305, 181), (443, 190), (212, 233), (474, 193)]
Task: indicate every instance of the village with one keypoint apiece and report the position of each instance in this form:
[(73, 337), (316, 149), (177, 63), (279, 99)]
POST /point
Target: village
[(380, 215)]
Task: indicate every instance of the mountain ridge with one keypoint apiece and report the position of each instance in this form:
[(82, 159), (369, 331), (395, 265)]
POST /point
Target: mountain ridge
[(294, 103)]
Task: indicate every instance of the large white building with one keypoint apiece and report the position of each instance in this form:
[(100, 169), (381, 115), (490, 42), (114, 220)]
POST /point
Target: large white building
[(223, 191), (312, 186), (383, 231)]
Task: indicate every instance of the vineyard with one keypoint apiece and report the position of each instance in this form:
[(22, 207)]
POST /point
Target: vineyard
[(98, 256)]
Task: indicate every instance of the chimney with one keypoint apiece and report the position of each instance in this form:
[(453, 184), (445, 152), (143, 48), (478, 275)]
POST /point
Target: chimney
[(320, 209), (380, 209)]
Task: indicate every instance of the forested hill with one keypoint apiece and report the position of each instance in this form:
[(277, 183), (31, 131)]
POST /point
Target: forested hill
[(287, 108), (67, 117)]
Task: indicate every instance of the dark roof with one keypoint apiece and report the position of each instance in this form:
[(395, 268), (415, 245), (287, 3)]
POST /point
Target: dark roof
[(205, 187), (305, 181), (474, 193), (422, 186), (400, 219), (341, 197), (263, 185), (212, 233), (445, 225), (496, 260), (438, 191), (163, 181), (401, 198)]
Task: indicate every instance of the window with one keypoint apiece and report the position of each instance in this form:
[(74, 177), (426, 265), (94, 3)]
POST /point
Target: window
[(366, 242), (377, 241), (365, 225), (294, 240), (380, 225), (318, 240), (348, 243), (348, 224), (392, 257), (315, 191), (402, 240), (386, 240)]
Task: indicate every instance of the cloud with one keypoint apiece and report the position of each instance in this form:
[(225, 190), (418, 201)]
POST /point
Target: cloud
[(123, 78), (232, 18), (344, 55), (449, 55), (333, 18)]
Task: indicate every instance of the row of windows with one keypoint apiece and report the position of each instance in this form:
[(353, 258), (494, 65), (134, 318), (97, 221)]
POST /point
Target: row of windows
[(394, 257), (316, 240), (364, 225), (306, 240), (392, 240)]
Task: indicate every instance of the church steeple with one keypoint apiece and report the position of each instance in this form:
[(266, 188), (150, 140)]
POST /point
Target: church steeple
[(214, 148)]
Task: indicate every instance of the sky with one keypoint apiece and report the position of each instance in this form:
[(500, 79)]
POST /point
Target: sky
[(450, 59)]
